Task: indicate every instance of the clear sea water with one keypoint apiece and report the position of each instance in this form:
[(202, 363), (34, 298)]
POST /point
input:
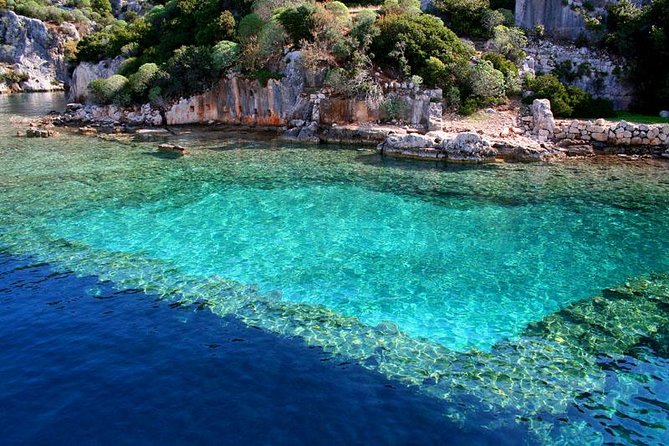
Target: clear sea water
[(419, 278)]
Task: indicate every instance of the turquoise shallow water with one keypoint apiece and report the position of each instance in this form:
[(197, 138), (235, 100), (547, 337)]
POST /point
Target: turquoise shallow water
[(462, 272), (428, 274)]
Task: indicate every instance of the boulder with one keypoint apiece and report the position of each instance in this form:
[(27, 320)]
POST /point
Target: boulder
[(173, 149), (469, 146), (411, 141), (36, 132)]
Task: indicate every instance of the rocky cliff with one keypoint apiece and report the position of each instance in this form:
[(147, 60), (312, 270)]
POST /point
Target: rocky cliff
[(85, 72), (35, 48), (595, 71), (557, 18), (298, 100)]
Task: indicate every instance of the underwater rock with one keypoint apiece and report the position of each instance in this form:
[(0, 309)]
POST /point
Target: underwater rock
[(87, 131), (621, 319), (174, 149), (35, 132)]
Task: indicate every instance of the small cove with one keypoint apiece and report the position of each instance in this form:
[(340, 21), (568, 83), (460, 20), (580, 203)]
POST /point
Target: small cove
[(461, 258)]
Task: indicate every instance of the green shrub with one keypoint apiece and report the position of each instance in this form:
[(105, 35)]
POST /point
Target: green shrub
[(512, 81), (641, 35), (465, 17), (393, 109), (490, 19), (13, 77), (568, 102), (401, 7), (191, 70), (267, 8), (509, 42), (547, 86), (102, 7), (486, 82), (298, 22), (140, 82), (435, 73), (249, 26), (271, 40), (225, 54), (340, 11), (363, 31), (222, 28), (107, 91), (425, 37), (509, 17)]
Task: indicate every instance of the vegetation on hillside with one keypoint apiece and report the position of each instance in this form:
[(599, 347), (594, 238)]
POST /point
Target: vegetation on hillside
[(98, 11), (190, 43)]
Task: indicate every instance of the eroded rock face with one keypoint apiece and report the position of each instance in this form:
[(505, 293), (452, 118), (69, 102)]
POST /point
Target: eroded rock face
[(558, 19), (35, 48), (593, 70), (86, 72)]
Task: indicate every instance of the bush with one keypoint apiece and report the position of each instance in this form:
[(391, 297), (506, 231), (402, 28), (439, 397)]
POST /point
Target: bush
[(363, 31), (465, 17), (425, 37), (486, 82), (221, 28), (111, 90), (140, 82), (490, 19), (568, 102), (393, 109), (641, 35), (513, 83), (249, 26), (271, 40), (191, 70), (509, 42), (298, 23), (102, 7), (265, 9), (13, 77), (225, 54), (401, 7), (340, 11)]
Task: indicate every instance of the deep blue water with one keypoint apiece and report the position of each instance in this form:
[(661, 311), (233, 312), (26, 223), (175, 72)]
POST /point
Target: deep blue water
[(83, 363)]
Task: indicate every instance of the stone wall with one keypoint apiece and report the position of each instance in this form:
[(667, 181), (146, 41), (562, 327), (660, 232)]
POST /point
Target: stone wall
[(612, 133), (596, 72)]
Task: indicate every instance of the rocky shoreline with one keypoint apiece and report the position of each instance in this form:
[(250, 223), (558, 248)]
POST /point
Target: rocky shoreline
[(539, 137)]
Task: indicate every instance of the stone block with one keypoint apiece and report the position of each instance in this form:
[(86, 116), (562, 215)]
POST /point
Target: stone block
[(601, 137)]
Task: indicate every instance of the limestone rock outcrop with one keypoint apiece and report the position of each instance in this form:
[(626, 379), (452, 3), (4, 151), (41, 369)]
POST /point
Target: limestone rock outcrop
[(86, 72), (35, 48), (556, 16), (465, 147), (593, 70)]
